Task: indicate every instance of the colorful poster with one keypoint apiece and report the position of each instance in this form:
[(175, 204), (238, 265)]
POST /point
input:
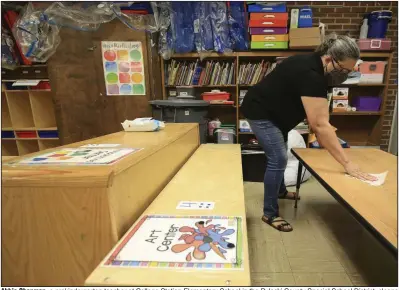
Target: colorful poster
[(123, 67), (81, 156), (204, 242)]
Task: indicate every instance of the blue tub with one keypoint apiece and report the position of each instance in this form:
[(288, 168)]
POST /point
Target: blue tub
[(378, 23)]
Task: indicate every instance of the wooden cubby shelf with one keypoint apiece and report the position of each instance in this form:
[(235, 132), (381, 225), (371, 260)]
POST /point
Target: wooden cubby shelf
[(31, 111)]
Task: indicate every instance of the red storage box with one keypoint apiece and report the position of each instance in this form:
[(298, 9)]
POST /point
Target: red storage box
[(268, 23), (215, 96), (268, 16), (374, 44), (26, 134)]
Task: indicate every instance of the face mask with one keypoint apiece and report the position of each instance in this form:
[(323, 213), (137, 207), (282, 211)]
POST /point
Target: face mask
[(336, 77)]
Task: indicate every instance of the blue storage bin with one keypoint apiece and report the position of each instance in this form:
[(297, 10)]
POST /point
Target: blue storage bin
[(7, 134), (272, 7), (378, 23), (48, 134), (305, 17)]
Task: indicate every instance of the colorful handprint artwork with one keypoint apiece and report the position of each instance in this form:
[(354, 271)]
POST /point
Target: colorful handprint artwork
[(188, 241)]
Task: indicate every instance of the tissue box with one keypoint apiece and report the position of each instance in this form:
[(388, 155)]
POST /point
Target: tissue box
[(340, 93), (372, 72), (304, 38), (340, 105), (244, 126)]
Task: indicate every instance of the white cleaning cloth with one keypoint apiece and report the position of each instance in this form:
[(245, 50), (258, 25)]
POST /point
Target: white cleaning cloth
[(380, 179)]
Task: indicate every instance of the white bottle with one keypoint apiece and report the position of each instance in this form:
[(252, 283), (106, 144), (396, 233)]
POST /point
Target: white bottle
[(364, 29)]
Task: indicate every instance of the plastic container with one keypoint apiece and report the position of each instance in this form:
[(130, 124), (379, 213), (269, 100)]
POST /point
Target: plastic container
[(215, 96), (275, 37), (269, 44), (273, 8), (378, 23), (182, 111), (269, 30), (268, 23), (374, 44), (267, 16), (305, 17), (225, 136), (212, 125), (367, 103), (364, 29)]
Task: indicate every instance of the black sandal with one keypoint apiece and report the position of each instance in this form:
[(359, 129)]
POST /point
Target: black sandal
[(284, 196), (281, 227)]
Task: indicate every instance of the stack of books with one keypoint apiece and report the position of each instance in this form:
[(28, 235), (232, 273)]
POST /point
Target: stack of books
[(253, 73), (192, 73)]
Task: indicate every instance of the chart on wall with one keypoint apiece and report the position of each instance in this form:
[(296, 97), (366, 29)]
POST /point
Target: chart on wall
[(81, 156), (123, 67), (204, 242)]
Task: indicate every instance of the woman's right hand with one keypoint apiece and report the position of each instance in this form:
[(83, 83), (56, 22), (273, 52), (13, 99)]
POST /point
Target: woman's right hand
[(354, 170)]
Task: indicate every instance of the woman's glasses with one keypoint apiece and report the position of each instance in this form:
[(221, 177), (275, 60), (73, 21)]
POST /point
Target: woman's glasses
[(340, 68)]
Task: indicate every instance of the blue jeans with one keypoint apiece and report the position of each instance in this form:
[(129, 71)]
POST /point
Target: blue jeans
[(271, 140)]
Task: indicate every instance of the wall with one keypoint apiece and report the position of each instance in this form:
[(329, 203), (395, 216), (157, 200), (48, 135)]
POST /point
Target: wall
[(346, 17), (83, 110)]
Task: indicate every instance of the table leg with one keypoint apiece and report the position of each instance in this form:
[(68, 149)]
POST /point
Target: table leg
[(298, 183)]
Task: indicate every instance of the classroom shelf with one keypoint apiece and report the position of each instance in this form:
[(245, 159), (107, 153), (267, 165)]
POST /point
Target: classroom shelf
[(5, 112), (27, 146), (275, 53), (356, 113), (45, 144), (362, 130), (207, 86), (342, 85), (9, 147), (43, 109), (20, 109)]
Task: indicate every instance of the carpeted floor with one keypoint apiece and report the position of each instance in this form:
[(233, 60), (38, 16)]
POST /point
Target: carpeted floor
[(328, 247)]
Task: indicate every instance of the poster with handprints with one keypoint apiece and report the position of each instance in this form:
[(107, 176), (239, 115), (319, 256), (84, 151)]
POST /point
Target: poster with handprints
[(80, 156), (123, 67), (181, 241)]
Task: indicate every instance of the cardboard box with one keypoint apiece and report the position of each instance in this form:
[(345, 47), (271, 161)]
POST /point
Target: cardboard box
[(340, 93), (304, 38), (244, 126), (340, 105)]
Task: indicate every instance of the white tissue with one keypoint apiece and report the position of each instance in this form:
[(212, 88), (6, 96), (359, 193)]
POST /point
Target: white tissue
[(380, 179), (142, 125)]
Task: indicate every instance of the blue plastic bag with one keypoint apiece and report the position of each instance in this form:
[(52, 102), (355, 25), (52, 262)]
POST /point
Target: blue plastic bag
[(238, 26), (220, 27), (183, 26), (203, 36)]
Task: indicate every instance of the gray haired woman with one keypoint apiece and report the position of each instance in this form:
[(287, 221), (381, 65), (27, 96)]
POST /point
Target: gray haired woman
[(295, 89)]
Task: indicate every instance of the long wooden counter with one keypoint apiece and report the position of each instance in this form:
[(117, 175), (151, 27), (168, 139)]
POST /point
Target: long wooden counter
[(212, 174), (59, 221)]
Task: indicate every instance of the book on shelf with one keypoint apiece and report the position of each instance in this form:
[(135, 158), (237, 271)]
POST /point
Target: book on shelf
[(186, 73), (253, 73)]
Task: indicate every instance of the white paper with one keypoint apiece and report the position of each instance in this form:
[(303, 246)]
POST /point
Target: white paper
[(380, 179), (204, 205), (183, 239), (23, 83), (81, 156), (100, 145)]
